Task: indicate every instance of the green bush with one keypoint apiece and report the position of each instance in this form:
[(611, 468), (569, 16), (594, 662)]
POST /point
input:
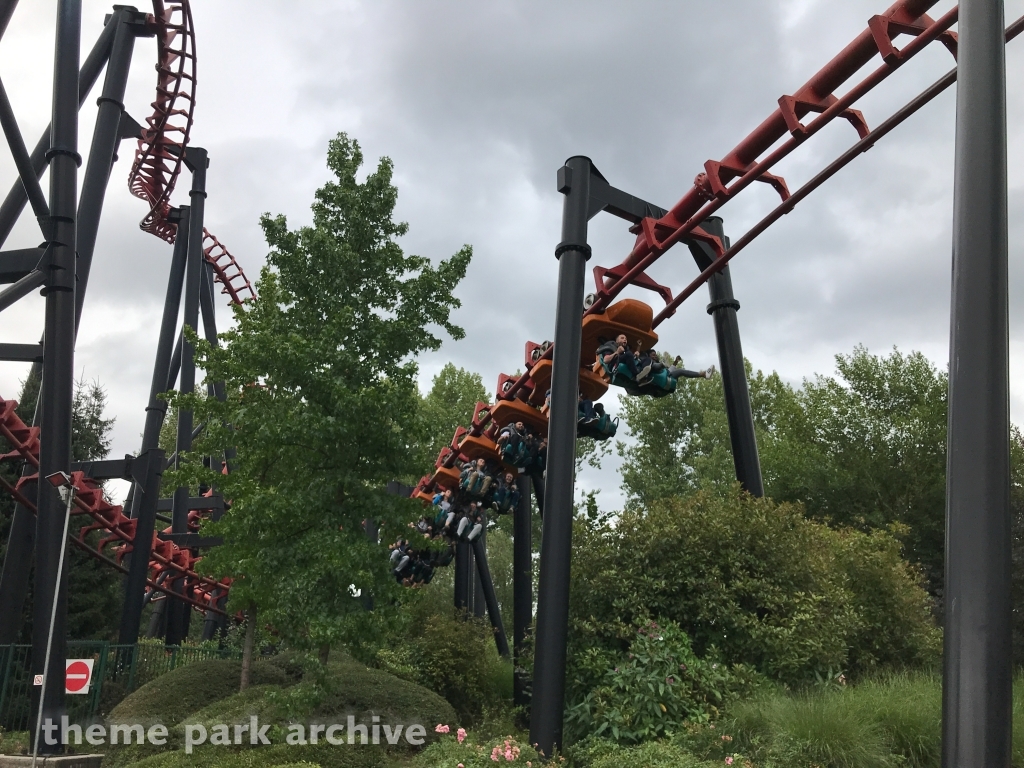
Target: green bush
[(173, 696), (454, 656), (324, 694), (749, 579), (658, 685)]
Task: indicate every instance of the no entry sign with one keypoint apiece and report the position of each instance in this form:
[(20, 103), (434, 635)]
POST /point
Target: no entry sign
[(77, 675)]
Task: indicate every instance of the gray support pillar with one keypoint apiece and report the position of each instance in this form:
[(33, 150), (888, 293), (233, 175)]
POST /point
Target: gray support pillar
[(723, 308), (493, 612), (6, 11), (147, 491), (156, 410), (479, 599), (462, 575), (209, 312), (105, 139), (15, 201), (59, 366), (556, 546), (211, 620), (522, 589), (178, 611), (976, 706), (537, 480)]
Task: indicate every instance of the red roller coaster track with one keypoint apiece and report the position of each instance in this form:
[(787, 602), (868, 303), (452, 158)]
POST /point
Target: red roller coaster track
[(161, 150)]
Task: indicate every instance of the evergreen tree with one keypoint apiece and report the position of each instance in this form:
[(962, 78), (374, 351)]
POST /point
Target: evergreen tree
[(95, 592)]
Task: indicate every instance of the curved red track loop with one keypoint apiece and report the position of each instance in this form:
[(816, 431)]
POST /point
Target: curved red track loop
[(160, 153), (227, 270)]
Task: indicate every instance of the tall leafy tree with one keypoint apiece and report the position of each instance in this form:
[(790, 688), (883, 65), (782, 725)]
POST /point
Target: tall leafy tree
[(448, 405), (322, 406), (865, 448)]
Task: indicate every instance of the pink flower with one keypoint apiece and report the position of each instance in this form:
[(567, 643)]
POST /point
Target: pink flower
[(460, 765), (441, 728), (461, 735), (728, 761), (496, 754)]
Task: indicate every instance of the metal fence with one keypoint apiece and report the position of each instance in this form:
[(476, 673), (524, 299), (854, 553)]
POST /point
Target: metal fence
[(117, 671)]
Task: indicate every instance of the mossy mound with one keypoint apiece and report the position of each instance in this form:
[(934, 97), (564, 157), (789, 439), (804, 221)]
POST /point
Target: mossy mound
[(172, 697), (352, 688), (207, 693)]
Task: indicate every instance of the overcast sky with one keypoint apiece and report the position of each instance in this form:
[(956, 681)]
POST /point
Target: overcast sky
[(478, 104)]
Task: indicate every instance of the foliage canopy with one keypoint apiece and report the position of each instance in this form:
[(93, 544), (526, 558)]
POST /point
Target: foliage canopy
[(320, 379)]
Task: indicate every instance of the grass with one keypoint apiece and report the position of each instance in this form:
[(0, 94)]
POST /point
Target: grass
[(882, 723)]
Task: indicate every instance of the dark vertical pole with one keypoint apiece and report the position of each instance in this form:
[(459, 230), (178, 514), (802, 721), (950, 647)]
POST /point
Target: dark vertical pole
[(462, 574), (209, 312), (211, 621), (977, 665), (522, 588), (723, 308), (479, 598), (15, 201), (556, 545), (6, 11), (158, 619), (470, 579), (537, 480), (177, 610), (147, 491), (156, 410), (491, 599), (58, 364), (104, 145)]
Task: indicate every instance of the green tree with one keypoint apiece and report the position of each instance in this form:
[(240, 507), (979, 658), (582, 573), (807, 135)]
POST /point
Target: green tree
[(448, 405), (320, 377), (751, 580), (864, 449), (682, 441)]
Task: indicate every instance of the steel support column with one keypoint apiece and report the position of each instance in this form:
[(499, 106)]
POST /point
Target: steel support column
[(105, 139), (156, 410), (6, 11), (556, 545), (976, 706), (723, 308), (493, 612), (147, 492), (522, 589), (479, 598), (462, 575), (196, 158), (58, 364)]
